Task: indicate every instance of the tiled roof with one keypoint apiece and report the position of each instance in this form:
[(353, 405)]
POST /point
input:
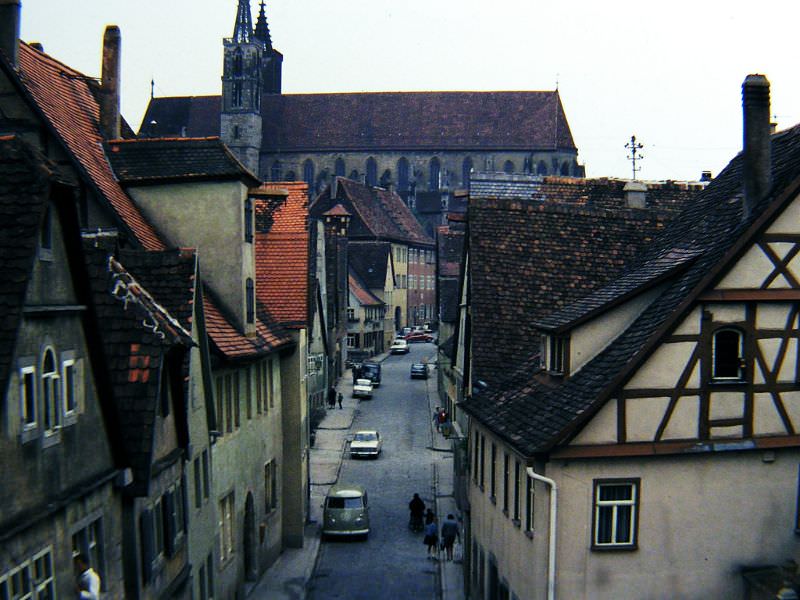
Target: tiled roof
[(337, 211), (432, 121), (282, 247), (165, 160), (25, 178), (534, 417), (136, 333), (370, 260), (529, 258), (64, 97), (602, 192), (361, 291), (377, 213)]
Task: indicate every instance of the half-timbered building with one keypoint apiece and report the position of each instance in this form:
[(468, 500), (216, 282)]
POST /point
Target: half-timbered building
[(655, 451)]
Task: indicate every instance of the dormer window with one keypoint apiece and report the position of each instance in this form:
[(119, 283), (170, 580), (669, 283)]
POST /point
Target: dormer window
[(727, 349), (555, 350)]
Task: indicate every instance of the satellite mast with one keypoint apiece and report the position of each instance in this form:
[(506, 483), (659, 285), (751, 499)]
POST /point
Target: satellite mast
[(634, 147)]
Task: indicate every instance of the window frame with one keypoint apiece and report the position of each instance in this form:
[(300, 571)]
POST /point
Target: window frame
[(530, 498), (70, 361), (741, 376), (51, 394), (28, 371), (636, 487), (226, 528)]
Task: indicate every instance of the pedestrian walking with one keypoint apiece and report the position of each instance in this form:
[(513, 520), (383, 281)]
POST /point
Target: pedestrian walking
[(339, 400), (331, 397), (441, 421), (417, 509), (436, 417), (429, 516), (87, 582), (449, 534), (431, 539)]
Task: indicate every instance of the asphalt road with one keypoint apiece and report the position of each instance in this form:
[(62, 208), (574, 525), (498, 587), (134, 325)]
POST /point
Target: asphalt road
[(392, 562)]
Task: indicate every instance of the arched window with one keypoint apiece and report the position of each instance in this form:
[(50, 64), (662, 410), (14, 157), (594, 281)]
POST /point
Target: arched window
[(466, 169), (435, 174), (250, 300), (508, 167), (238, 63), (339, 168), (248, 220), (727, 349), (354, 175), (291, 176), (565, 168), (402, 174), (386, 179), (236, 99), (541, 169), (308, 173), (275, 171), (372, 171), (51, 398)]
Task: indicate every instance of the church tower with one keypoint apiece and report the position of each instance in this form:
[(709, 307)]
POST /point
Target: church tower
[(240, 115), (272, 62)]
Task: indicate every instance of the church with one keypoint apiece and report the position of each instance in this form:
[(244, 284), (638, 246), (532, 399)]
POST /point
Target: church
[(410, 142)]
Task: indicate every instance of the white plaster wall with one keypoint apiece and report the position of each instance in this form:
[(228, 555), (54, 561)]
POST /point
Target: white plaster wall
[(791, 402), (588, 340), (683, 424), (691, 324), (663, 368), (643, 416), (726, 405), (787, 221), (602, 429), (726, 313), (766, 419), (773, 316), (749, 271)]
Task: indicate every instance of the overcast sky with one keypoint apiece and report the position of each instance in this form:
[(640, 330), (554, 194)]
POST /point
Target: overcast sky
[(668, 72)]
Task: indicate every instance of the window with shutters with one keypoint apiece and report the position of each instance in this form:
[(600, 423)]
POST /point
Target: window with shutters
[(226, 528)]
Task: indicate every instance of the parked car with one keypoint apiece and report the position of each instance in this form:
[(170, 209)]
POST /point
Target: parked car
[(404, 331), (362, 389), (419, 336), (419, 370), (366, 444), (399, 346), (371, 371), (346, 511)]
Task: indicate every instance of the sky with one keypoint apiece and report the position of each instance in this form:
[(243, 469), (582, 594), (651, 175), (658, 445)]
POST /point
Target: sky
[(669, 73)]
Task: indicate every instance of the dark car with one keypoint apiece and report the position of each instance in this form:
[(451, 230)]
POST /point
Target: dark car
[(419, 370), (418, 336), (371, 371)]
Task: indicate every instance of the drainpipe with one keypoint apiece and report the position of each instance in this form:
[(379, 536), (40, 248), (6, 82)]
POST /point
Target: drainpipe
[(551, 557)]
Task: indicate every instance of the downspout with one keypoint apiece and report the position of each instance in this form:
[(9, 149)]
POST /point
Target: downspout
[(551, 557)]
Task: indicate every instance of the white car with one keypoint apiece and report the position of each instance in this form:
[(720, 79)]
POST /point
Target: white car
[(366, 444), (362, 388), (399, 347)]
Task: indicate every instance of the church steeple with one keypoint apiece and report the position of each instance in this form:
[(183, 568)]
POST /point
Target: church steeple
[(262, 28), (243, 28)]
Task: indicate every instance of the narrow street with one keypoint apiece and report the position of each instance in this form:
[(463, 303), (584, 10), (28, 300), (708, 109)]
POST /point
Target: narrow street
[(392, 563)]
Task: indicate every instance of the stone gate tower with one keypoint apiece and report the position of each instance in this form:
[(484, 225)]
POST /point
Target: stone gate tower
[(240, 117)]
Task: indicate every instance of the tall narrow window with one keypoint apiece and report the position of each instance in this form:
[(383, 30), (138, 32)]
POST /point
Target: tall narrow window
[(276, 171), (70, 383), (728, 362), (506, 474), (339, 167), (46, 233), (238, 63), (516, 490), (615, 514), (226, 528), (251, 300), (493, 472), (27, 396), (248, 220), (308, 174), (483, 460), (541, 168), (402, 174), (236, 98), (466, 169), (529, 497), (556, 352), (372, 172), (508, 167), (435, 176), (475, 458), (50, 391)]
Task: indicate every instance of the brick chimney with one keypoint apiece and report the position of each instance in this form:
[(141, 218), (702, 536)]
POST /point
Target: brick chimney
[(110, 84), (757, 151), (9, 30)]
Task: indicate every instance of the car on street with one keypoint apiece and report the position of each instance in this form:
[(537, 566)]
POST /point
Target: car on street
[(399, 346), (346, 511), (371, 371), (366, 444), (362, 388), (419, 370), (418, 336)]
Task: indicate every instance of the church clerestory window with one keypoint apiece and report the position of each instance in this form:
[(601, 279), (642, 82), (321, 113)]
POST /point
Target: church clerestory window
[(372, 171), (435, 179)]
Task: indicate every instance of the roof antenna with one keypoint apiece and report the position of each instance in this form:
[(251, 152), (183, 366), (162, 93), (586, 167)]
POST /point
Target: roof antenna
[(634, 147), (152, 88)]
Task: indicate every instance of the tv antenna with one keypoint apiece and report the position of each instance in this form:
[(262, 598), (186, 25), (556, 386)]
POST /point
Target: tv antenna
[(635, 155)]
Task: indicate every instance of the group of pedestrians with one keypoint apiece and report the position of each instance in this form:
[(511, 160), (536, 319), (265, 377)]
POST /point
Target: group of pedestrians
[(333, 398), (449, 529)]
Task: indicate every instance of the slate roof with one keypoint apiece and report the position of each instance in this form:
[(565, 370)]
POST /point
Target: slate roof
[(136, 332), (164, 160), (361, 291), (601, 192), (65, 100), (377, 213), (424, 121), (529, 258), (534, 417), (25, 183), (370, 260), (282, 251)]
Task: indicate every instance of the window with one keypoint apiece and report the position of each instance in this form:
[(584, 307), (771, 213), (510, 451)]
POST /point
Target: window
[(248, 220), (275, 171), (351, 313), (27, 396), (483, 460), (236, 99), (198, 482), (466, 169), (508, 167), (476, 457), (402, 174), (372, 171), (69, 378), (308, 174), (506, 474), (237, 402), (46, 235), (270, 487), (516, 490), (30, 579), (529, 497), (250, 298), (541, 168), (615, 514), (50, 392), (248, 392), (727, 349), (206, 475), (435, 176), (270, 388), (493, 472), (89, 542), (226, 525), (339, 168), (555, 350)]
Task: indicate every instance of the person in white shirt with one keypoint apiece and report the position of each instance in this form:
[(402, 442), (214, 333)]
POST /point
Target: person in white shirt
[(87, 584)]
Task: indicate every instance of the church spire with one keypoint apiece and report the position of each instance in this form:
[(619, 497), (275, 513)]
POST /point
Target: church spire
[(243, 28), (262, 28)]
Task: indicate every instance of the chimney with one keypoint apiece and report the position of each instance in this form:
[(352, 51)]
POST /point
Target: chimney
[(9, 30), (757, 155), (635, 194), (110, 84)]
